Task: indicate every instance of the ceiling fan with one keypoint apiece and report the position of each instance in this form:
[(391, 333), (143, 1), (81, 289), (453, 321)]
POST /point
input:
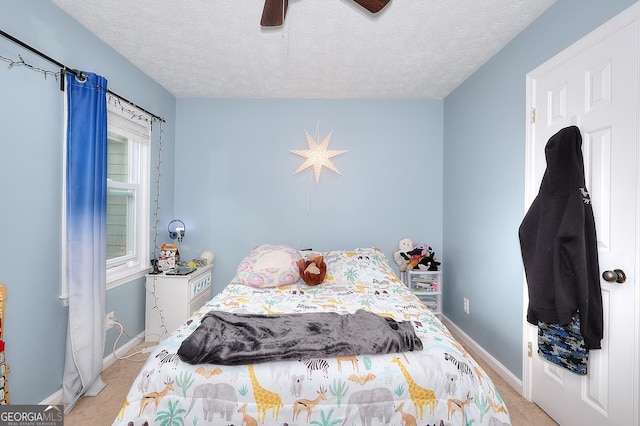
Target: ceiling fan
[(274, 11)]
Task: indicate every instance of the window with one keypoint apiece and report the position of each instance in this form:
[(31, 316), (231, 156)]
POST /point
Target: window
[(128, 188)]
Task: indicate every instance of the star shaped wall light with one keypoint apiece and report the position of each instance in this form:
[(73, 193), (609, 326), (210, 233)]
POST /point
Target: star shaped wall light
[(318, 155)]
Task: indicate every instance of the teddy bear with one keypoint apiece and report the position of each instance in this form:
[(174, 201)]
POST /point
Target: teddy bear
[(401, 255), (408, 254), (312, 270)]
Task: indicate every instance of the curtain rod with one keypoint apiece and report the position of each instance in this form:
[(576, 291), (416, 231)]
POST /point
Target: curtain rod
[(75, 72)]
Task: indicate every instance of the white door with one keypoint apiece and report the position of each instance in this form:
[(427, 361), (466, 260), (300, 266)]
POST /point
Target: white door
[(594, 85)]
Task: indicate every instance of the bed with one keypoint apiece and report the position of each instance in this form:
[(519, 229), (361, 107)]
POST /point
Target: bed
[(436, 383)]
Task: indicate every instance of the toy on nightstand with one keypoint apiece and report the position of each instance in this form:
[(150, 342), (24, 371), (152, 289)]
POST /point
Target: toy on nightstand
[(410, 256), (169, 257)]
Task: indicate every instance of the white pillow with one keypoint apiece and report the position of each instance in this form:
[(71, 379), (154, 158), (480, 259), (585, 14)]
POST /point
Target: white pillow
[(358, 265), (269, 265)]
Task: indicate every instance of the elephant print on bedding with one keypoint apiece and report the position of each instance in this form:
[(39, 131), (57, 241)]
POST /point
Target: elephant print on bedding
[(377, 402), (216, 398)]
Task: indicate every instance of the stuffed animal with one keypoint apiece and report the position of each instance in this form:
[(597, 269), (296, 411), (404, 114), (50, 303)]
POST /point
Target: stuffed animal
[(401, 255), (312, 270), (428, 261), (410, 256)]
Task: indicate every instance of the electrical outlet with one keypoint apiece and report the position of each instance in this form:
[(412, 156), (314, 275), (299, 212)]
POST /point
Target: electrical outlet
[(466, 306), (110, 320)]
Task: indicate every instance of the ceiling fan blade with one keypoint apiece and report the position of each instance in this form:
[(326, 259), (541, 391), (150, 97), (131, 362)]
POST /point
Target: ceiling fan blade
[(373, 6), (274, 12)]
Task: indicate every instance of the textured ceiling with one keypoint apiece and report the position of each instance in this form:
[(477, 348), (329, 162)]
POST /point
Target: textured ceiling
[(325, 49)]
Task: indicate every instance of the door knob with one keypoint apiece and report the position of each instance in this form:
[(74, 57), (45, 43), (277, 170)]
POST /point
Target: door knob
[(617, 275)]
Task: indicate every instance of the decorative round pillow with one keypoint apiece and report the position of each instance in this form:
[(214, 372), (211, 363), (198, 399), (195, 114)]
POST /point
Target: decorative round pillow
[(270, 265)]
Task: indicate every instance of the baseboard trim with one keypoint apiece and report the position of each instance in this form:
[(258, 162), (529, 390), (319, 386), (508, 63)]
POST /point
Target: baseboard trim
[(56, 398), (502, 371)]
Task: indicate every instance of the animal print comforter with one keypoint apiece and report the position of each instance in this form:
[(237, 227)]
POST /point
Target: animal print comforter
[(439, 384)]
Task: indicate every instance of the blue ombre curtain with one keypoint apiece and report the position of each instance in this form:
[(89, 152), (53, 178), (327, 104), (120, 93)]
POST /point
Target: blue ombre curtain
[(86, 208)]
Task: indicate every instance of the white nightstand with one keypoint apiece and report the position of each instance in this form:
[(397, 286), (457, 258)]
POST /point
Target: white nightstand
[(427, 285), (172, 299)]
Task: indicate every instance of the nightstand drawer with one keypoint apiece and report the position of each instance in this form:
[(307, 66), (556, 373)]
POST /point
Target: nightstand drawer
[(172, 299), (198, 302), (200, 286), (427, 286)]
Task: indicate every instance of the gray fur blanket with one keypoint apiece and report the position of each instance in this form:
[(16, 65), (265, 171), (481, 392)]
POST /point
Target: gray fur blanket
[(231, 339)]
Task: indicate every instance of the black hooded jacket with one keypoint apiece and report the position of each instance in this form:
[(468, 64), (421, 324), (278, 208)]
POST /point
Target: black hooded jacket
[(559, 246)]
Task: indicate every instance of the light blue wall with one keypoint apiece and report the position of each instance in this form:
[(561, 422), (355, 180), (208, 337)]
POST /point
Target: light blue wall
[(484, 134), (235, 186), (31, 129)]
